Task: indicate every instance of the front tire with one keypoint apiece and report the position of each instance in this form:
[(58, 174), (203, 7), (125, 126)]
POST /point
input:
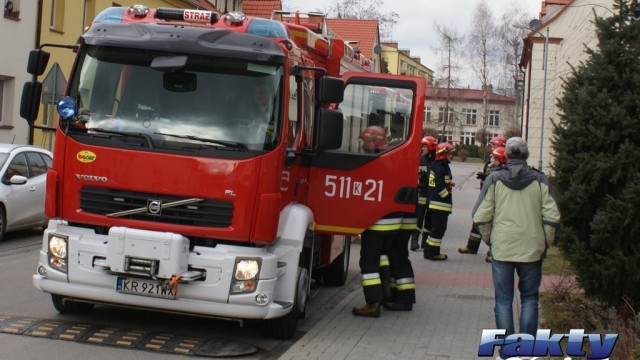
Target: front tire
[(336, 273), (285, 327), (65, 305)]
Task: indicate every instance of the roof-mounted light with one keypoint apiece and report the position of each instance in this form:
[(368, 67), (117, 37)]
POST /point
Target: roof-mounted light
[(138, 10), (188, 15), (235, 18)]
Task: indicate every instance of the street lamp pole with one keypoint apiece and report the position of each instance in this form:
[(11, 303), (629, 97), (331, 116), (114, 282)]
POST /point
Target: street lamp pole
[(544, 94)]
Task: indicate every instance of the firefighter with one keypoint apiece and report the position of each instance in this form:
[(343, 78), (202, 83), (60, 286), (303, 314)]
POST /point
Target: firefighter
[(474, 235), (440, 201), (376, 241), (495, 142), (427, 158), (499, 161)]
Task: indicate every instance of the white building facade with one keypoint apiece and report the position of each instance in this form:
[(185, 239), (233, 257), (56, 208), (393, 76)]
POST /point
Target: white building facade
[(567, 26)]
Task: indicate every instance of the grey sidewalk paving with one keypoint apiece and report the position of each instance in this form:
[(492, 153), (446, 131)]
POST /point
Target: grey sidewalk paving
[(454, 302)]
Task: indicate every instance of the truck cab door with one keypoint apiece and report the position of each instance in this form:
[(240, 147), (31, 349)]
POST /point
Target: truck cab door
[(375, 171)]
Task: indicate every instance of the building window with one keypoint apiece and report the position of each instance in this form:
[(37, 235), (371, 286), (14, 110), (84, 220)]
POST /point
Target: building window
[(468, 138), (469, 116), (441, 116), (494, 118), (448, 136), (57, 15), (427, 113)]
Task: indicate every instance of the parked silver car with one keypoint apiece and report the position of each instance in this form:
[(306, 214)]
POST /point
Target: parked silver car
[(23, 177)]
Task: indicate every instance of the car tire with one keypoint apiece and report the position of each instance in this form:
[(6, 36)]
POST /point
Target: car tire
[(64, 305)]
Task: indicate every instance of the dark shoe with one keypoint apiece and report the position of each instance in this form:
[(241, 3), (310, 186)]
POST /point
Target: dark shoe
[(369, 310), (414, 245), (466, 250), (393, 306), (488, 259), (439, 257)]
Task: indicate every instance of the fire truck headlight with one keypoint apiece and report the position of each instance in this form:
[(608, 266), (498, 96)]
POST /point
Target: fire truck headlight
[(246, 269), (58, 250)]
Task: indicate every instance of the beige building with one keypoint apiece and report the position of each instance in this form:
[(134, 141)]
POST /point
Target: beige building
[(465, 114), (18, 38), (400, 62), (567, 25)]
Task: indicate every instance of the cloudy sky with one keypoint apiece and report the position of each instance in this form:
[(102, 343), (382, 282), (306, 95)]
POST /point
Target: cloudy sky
[(415, 28)]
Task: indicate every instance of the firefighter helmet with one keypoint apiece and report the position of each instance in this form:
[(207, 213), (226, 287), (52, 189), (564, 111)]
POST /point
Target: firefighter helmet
[(498, 141), (499, 153), (375, 139), (431, 142), (443, 150)]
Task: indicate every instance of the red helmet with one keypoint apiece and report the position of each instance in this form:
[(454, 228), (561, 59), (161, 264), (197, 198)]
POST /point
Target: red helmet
[(375, 138), (498, 141), (499, 153), (431, 142), (444, 149)]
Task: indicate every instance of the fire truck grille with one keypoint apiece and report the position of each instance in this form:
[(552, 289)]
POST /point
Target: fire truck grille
[(156, 207)]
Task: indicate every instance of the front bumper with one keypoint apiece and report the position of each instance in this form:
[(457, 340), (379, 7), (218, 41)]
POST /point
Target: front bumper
[(93, 270)]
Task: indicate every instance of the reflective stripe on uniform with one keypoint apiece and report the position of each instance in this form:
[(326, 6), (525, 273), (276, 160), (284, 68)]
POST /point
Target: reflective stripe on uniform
[(444, 193), (422, 200), (371, 279), (437, 205), (384, 260), (388, 224), (433, 241), (406, 284)]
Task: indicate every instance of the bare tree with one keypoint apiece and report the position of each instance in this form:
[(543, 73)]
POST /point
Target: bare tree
[(483, 46), (512, 46), (449, 49), (365, 9)]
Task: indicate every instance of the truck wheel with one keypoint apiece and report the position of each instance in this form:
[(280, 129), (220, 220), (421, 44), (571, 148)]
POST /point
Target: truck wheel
[(335, 274), (285, 327), (66, 306)]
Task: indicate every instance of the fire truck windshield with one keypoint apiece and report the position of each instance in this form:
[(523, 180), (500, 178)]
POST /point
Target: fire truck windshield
[(203, 99)]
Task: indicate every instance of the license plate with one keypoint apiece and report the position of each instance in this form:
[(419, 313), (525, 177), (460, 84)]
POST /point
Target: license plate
[(145, 287)]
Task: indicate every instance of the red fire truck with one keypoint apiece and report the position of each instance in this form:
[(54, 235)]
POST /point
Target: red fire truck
[(212, 164)]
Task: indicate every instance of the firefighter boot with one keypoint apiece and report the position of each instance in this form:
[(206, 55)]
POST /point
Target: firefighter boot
[(369, 310), (471, 248), (433, 253), (414, 241)]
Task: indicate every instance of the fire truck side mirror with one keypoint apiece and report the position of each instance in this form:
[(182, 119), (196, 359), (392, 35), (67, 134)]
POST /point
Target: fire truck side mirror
[(37, 63), (330, 90), (30, 102), (329, 129)]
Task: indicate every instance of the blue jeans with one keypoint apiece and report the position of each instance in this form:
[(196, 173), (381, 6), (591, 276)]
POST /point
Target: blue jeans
[(529, 278)]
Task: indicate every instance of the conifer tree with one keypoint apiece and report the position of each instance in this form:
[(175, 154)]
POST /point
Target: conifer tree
[(596, 145)]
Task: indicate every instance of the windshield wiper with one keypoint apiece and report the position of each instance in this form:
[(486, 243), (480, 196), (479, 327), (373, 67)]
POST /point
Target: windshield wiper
[(146, 137), (231, 144)]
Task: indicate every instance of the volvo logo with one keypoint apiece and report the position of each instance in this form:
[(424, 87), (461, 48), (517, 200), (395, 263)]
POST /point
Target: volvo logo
[(154, 207), (92, 178)]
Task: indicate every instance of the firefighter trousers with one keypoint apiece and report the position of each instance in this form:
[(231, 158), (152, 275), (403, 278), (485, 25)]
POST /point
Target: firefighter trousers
[(438, 228), (372, 246), (403, 281)]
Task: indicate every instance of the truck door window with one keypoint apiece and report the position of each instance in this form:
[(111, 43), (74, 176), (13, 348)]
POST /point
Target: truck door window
[(309, 109), (293, 111), (386, 108)]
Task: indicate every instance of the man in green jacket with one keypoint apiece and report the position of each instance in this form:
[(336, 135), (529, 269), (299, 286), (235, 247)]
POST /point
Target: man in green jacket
[(516, 215)]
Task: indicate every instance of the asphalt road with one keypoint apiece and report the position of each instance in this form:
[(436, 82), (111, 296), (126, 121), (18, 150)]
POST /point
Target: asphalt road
[(22, 306)]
